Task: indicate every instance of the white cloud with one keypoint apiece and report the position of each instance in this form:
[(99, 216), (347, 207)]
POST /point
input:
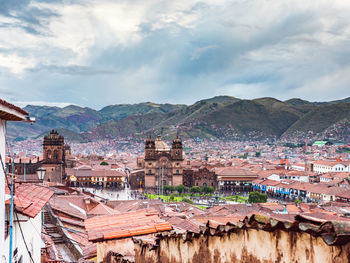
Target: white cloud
[(17, 64), (176, 50)]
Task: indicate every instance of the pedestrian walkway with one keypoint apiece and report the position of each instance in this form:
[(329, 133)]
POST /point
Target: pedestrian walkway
[(113, 194)]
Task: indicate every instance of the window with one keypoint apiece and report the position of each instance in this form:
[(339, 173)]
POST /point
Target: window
[(177, 171), (149, 171)]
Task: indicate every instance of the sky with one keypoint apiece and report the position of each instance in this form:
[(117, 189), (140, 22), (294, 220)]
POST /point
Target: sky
[(97, 53)]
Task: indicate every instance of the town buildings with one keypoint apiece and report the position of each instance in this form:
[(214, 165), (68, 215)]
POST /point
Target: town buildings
[(102, 176)]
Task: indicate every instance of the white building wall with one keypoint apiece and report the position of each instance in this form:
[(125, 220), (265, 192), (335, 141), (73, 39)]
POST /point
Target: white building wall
[(31, 228), (2, 188), (322, 168)]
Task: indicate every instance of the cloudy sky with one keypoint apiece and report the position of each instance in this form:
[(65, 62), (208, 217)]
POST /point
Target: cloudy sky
[(96, 53)]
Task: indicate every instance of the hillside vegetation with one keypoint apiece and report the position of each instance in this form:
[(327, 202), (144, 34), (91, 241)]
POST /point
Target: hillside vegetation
[(222, 117)]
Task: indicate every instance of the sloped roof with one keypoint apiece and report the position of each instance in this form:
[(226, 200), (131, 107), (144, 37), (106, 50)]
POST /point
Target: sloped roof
[(11, 107), (31, 198), (233, 171), (124, 225), (102, 209)]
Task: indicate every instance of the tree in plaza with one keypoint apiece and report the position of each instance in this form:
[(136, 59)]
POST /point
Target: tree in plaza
[(180, 188), (257, 197), (208, 189), (195, 189), (166, 189), (103, 163)]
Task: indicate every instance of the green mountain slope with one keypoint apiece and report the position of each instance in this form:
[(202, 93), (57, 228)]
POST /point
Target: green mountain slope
[(221, 117), (321, 118)]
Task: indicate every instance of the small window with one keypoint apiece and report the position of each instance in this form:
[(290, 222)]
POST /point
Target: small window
[(149, 171), (177, 171)]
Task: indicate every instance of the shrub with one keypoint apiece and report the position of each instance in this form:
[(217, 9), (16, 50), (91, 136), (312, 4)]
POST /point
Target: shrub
[(297, 201), (180, 188), (186, 200)]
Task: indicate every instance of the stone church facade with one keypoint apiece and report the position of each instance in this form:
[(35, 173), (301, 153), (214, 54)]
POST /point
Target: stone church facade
[(162, 164)]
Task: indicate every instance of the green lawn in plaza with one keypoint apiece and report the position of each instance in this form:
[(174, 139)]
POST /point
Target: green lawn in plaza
[(236, 198), (176, 198), (165, 198)]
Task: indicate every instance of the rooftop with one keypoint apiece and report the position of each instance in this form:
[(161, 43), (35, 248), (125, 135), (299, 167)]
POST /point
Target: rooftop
[(124, 225)]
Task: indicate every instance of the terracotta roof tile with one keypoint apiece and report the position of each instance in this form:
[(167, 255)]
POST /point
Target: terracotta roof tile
[(129, 224), (34, 194)]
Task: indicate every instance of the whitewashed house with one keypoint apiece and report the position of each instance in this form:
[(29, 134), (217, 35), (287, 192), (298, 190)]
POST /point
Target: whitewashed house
[(27, 220), (331, 166)]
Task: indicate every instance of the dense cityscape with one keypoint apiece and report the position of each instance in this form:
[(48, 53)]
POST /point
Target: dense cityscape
[(152, 131), (194, 189)]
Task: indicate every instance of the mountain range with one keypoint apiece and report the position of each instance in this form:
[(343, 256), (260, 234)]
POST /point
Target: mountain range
[(221, 117)]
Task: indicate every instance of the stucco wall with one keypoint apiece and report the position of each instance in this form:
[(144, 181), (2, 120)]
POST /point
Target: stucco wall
[(248, 245), (31, 228), (123, 246)]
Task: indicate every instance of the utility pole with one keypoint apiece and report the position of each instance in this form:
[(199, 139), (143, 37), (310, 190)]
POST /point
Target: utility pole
[(162, 180), (11, 216)]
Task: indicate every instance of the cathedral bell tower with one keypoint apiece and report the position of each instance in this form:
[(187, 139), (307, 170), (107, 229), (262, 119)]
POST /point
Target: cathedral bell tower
[(176, 149), (53, 148), (54, 157), (150, 149)]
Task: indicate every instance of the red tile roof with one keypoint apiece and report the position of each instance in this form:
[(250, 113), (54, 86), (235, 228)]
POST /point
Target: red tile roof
[(233, 171), (124, 225), (31, 198)]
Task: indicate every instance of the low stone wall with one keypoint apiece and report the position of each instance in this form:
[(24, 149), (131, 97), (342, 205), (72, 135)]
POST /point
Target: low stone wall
[(258, 238), (244, 245)]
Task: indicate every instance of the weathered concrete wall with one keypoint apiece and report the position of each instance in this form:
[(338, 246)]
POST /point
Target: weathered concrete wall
[(123, 246), (245, 245)]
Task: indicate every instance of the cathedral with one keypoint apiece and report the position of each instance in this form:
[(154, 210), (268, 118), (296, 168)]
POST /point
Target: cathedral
[(162, 164)]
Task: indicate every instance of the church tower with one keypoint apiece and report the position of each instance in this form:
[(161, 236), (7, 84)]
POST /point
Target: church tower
[(53, 148), (54, 157), (150, 149), (176, 150)]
